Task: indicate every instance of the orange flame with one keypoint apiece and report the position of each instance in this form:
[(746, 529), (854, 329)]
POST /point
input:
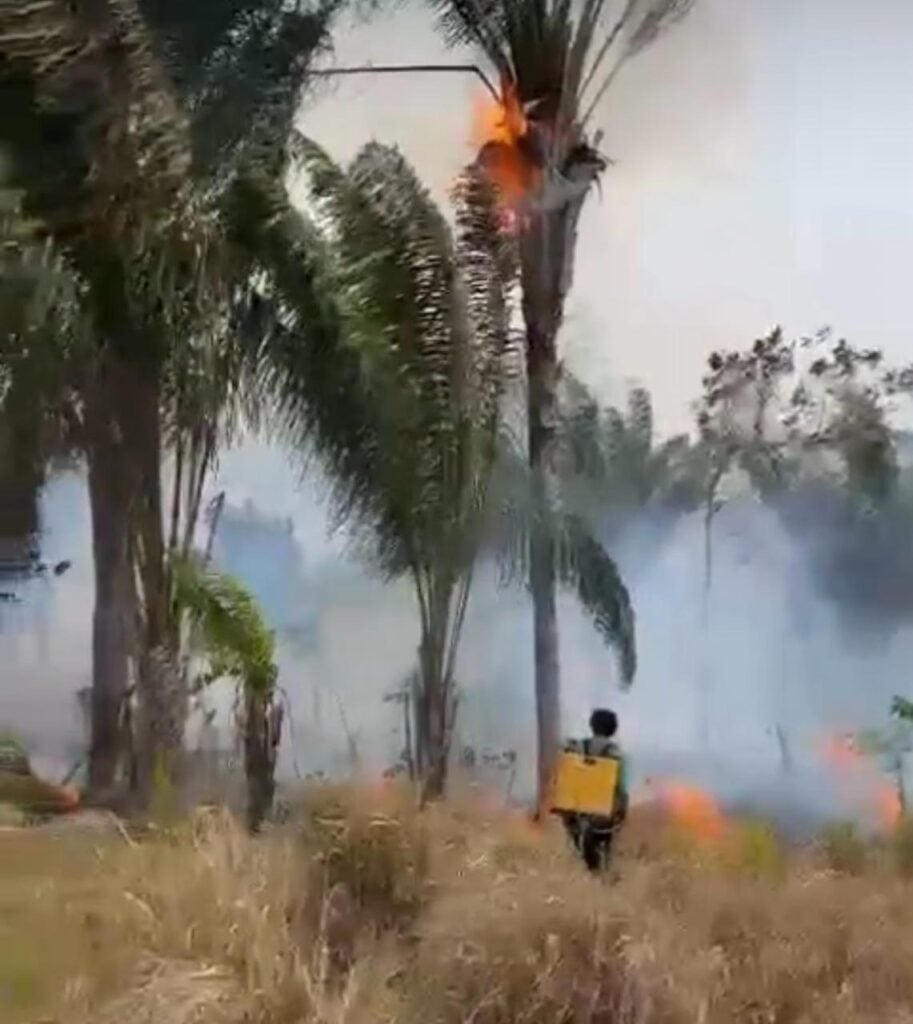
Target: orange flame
[(841, 753), (693, 810), (888, 808), (499, 128), (862, 781), (499, 120)]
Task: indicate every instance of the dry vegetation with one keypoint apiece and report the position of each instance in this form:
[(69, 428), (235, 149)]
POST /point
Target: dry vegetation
[(362, 910)]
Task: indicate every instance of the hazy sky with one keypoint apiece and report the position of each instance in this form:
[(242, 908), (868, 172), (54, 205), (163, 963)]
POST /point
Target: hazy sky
[(764, 174)]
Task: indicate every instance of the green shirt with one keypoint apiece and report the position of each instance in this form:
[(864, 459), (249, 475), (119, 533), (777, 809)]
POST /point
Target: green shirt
[(603, 746)]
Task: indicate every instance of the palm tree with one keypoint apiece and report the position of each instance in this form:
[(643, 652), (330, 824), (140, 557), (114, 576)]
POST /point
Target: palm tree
[(389, 354), (613, 468), (228, 635), (101, 152), (555, 60)]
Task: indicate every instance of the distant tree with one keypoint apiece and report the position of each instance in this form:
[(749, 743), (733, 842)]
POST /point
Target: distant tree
[(614, 472), (807, 423), (891, 746), (125, 176), (97, 152)]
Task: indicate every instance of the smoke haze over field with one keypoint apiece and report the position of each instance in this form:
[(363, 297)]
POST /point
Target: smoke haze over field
[(777, 654), (764, 173)]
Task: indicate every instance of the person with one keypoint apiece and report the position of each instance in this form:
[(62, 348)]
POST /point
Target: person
[(593, 836)]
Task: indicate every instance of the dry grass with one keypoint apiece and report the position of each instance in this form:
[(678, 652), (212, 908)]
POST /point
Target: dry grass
[(365, 911)]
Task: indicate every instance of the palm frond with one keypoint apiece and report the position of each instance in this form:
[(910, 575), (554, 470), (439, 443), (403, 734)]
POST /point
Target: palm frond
[(239, 66), (474, 22), (91, 70), (228, 626), (902, 709), (562, 53), (582, 564), (585, 567), (294, 329), (658, 16), (428, 316)]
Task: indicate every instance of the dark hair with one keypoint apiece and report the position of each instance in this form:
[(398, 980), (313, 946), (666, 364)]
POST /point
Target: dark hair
[(603, 722)]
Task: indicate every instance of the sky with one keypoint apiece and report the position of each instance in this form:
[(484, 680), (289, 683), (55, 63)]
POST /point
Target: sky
[(763, 175)]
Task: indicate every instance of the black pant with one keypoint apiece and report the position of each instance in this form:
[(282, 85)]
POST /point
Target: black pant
[(593, 841)]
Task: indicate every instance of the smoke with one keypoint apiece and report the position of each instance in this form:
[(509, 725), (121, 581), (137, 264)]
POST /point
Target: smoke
[(706, 704)]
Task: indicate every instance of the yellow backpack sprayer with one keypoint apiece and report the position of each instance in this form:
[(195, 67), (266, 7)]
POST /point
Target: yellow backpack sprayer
[(588, 796)]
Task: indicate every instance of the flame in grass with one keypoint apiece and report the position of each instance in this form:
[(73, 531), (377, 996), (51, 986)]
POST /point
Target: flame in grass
[(694, 811), (861, 781), (690, 810)]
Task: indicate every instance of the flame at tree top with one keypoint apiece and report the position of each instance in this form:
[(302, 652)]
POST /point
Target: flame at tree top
[(499, 120), (501, 133)]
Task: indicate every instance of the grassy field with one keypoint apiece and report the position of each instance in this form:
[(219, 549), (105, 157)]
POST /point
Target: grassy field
[(361, 910)]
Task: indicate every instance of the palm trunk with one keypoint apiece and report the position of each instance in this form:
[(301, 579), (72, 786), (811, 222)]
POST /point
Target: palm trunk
[(163, 702), (110, 636), (542, 402), (546, 255), (110, 494), (262, 733), (435, 706)]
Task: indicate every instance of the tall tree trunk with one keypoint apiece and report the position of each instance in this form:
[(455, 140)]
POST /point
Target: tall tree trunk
[(546, 259), (110, 636), (110, 495), (163, 701), (435, 706), (262, 733), (542, 409)]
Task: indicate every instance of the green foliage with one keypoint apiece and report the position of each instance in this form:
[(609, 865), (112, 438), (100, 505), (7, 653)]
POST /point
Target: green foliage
[(40, 344), (239, 67), (554, 49), (100, 166), (785, 408), (426, 317), (386, 342), (227, 625), (585, 565), (582, 564), (739, 411), (902, 709), (14, 757), (384, 337), (614, 468)]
